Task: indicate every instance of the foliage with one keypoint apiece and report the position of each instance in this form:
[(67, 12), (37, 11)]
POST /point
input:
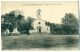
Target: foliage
[(14, 20), (25, 25), (70, 23), (55, 28), (11, 19), (4, 26)]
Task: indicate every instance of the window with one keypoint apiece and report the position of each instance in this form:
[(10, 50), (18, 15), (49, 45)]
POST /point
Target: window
[(39, 23)]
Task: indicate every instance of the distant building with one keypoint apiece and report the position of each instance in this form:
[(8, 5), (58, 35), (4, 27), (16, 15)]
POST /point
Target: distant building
[(39, 25), (17, 12), (15, 31)]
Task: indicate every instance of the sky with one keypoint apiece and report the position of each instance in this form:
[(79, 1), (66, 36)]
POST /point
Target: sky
[(50, 11)]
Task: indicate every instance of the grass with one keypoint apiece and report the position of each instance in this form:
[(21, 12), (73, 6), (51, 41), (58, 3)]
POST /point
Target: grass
[(40, 42)]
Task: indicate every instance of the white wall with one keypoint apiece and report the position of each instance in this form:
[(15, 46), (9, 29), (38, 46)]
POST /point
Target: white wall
[(44, 29)]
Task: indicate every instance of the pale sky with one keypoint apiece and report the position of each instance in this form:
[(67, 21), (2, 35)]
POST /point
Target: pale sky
[(50, 11)]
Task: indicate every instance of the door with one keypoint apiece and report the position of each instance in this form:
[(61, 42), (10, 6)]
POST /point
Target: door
[(39, 30)]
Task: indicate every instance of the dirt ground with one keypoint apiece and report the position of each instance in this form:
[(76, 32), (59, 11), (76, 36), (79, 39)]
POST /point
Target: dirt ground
[(40, 42)]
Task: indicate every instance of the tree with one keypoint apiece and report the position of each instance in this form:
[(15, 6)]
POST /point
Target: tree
[(11, 28), (25, 25), (70, 23), (4, 26), (12, 19), (29, 22), (54, 28)]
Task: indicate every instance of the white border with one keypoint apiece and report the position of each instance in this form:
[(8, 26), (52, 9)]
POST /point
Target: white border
[(32, 0), (39, 0), (0, 26)]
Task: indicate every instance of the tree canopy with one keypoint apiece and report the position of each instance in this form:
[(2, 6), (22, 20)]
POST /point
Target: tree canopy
[(25, 25), (11, 20), (70, 23)]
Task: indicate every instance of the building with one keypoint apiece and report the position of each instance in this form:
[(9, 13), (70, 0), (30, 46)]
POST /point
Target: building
[(15, 31), (39, 25)]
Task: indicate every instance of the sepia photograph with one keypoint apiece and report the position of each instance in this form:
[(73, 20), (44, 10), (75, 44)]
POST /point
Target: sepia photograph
[(39, 25)]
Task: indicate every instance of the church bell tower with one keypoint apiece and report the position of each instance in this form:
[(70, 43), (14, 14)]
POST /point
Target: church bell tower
[(38, 14)]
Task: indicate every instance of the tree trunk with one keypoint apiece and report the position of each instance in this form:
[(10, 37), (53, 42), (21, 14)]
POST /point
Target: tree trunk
[(10, 33)]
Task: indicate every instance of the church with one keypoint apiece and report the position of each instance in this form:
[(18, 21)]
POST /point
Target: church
[(39, 25)]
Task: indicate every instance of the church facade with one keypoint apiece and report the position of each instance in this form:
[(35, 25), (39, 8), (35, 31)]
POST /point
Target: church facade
[(39, 25)]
